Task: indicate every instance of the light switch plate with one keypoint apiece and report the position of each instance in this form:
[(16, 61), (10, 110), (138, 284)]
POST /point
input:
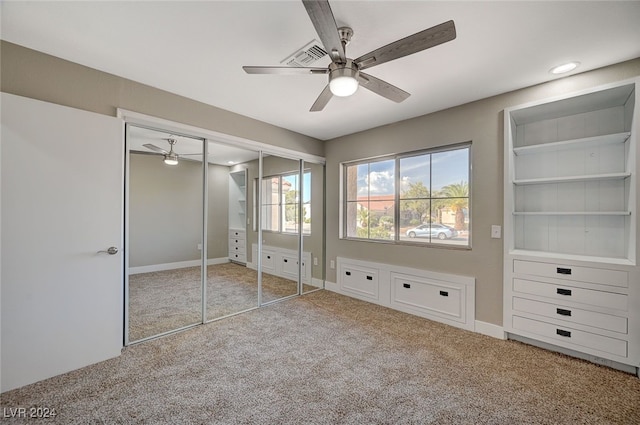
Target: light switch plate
[(496, 231)]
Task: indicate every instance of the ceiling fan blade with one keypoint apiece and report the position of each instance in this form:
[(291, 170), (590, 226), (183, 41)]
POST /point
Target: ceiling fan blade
[(382, 88), (283, 70), (325, 24), (155, 148), (322, 100), (412, 44)]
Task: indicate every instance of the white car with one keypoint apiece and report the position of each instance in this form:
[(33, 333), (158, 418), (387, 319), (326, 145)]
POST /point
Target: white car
[(433, 230)]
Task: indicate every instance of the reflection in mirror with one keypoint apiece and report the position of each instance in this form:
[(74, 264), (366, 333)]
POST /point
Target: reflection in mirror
[(280, 235), (232, 285), (164, 232), (313, 217)]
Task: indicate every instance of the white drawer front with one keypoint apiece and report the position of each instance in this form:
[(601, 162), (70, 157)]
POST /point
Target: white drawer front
[(427, 297), (572, 314), (237, 242), (571, 294), (575, 273), (568, 336), (289, 266), (237, 250), (236, 234), (240, 257), (268, 262), (359, 280)]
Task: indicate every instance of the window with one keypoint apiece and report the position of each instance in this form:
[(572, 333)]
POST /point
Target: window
[(420, 198), (280, 199)]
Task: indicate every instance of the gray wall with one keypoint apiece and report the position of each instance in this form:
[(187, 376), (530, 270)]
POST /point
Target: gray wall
[(29, 73), (165, 211), (482, 123)]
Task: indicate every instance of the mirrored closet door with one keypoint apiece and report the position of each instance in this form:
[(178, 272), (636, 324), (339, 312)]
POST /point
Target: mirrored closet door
[(164, 244), (206, 239), (232, 280), (280, 201)]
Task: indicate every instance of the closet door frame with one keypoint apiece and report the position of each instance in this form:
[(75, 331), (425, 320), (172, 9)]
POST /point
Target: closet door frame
[(160, 124)]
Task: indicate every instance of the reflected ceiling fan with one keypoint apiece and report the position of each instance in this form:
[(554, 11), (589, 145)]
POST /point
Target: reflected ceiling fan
[(345, 75), (170, 157)]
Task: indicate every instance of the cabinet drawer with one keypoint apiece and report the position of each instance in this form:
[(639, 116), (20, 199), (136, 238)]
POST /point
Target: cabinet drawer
[(359, 280), (571, 314), (236, 249), (236, 234), (289, 266), (268, 262), (568, 336), (571, 294), (574, 273), (237, 242), (427, 297), (240, 257)]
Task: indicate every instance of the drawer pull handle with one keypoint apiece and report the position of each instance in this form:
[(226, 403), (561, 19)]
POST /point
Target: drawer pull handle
[(561, 291), (369, 277), (268, 257), (406, 285), (561, 270), (348, 273), (562, 332), (444, 293), (563, 312), (286, 261)]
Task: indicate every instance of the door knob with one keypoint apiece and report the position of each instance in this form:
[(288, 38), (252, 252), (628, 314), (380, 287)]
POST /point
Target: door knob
[(112, 250)]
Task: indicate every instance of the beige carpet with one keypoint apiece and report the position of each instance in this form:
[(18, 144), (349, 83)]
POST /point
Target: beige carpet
[(167, 300), (327, 359)]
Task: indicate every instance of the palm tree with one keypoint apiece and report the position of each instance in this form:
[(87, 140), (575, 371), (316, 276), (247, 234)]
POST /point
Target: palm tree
[(458, 194)]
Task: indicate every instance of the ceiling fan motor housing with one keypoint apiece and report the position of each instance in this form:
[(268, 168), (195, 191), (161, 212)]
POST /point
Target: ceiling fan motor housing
[(343, 78)]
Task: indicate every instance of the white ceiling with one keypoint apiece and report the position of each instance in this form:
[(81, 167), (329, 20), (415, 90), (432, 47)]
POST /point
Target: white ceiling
[(197, 49)]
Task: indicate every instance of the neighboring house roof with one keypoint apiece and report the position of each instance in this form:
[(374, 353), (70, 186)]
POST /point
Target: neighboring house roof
[(377, 202)]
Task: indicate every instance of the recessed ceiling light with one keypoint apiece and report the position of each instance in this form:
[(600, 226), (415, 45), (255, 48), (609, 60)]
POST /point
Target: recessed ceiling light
[(230, 162), (565, 67)]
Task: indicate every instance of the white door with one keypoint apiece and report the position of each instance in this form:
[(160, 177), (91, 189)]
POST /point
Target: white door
[(62, 193)]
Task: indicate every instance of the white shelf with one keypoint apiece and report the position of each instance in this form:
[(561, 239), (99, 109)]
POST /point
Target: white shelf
[(571, 179), (592, 213), (608, 139)]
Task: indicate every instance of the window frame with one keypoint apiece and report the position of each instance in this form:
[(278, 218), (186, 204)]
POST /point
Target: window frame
[(281, 201), (396, 240)]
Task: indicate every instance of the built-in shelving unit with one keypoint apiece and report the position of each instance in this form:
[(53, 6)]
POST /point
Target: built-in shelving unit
[(237, 215), (570, 220)]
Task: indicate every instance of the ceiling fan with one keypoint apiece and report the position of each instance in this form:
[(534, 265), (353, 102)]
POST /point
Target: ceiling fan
[(345, 74), (170, 157)]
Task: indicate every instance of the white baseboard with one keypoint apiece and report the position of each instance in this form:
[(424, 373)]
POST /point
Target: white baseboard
[(176, 265), (331, 286), (318, 283), (490, 329)]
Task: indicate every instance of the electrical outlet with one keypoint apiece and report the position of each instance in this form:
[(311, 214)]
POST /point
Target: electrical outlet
[(199, 247), (315, 261), (496, 231), (333, 264)]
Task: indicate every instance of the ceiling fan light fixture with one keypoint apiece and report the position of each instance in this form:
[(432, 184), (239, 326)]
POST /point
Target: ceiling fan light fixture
[(171, 159), (343, 79)]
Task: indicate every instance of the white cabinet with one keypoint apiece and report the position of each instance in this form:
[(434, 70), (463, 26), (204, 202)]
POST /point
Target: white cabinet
[(237, 216), (570, 219), (237, 245), (441, 297), (283, 262)]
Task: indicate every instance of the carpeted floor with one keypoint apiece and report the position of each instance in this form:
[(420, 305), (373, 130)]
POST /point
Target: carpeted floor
[(328, 359), (167, 300)]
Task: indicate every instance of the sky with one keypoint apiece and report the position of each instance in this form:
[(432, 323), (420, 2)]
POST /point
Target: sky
[(443, 168)]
